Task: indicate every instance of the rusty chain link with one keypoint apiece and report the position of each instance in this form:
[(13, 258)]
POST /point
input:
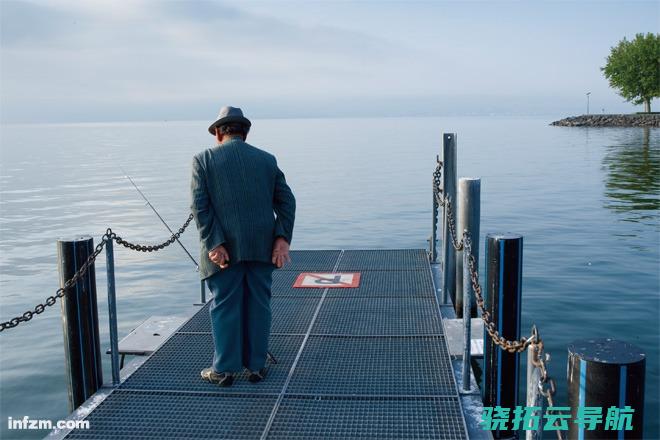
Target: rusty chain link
[(451, 224), (546, 385), (59, 293)]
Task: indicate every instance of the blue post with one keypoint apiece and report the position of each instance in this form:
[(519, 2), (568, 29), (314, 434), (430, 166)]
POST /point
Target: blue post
[(608, 374), (503, 300), (112, 312), (80, 321)]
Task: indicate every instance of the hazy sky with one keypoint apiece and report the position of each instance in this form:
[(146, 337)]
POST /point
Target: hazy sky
[(150, 60)]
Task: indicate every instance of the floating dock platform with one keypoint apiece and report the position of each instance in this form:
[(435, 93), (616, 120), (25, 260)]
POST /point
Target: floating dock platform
[(371, 361)]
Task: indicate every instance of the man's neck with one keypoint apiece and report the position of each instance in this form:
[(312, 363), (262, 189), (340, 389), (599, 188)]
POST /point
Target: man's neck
[(226, 139)]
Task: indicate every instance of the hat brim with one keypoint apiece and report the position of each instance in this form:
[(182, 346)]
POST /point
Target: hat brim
[(228, 120)]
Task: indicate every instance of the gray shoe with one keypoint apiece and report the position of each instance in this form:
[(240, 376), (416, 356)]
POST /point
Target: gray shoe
[(222, 379)]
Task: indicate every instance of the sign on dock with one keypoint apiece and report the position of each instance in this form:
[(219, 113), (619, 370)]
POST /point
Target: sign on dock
[(327, 280)]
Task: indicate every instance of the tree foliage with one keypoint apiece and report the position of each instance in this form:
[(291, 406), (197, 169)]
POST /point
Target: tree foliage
[(633, 67)]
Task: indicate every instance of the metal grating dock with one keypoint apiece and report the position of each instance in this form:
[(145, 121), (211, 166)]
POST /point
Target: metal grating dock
[(365, 362)]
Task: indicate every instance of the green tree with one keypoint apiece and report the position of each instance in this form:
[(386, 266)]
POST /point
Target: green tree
[(633, 67)]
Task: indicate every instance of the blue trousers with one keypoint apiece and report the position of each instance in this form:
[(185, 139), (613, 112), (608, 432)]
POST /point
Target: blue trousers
[(240, 315)]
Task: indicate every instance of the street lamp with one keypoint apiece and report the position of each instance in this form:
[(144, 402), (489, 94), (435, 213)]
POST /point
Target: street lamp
[(588, 93)]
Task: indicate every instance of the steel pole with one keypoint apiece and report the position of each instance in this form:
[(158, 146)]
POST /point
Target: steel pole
[(449, 191), (202, 291), (469, 212), (112, 312), (80, 321), (503, 300)]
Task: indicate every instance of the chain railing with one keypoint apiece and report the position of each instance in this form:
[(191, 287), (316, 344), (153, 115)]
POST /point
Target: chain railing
[(109, 235), (546, 385)]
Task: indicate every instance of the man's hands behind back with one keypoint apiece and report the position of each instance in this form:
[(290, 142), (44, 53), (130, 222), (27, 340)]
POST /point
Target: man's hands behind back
[(280, 252), (220, 256)]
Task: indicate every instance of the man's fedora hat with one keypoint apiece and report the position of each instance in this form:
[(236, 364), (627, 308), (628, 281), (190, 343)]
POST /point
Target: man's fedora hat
[(229, 114)]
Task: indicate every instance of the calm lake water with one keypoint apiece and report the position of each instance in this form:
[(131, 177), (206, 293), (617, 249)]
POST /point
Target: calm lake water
[(586, 201)]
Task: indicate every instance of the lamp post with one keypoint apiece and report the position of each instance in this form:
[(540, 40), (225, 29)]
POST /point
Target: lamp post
[(588, 93)]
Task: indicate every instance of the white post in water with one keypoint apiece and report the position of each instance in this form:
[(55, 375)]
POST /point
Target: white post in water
[(469, 209), (448, 191), (469, 212)]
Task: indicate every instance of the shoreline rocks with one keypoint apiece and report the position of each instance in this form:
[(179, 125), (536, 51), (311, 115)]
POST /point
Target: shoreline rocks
[(621, 120)]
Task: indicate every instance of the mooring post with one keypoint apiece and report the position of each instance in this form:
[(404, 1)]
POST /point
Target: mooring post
[(468, 212), (608, 375), (202, 290), (112, 312), (449, 191), (80, 321), (503, 300), (534, 398)]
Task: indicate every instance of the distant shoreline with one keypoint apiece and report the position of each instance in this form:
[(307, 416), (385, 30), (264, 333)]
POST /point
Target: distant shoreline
[(615, 120)]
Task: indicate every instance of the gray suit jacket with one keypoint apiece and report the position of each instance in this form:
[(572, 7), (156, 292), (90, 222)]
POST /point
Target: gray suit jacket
[(236, 190)]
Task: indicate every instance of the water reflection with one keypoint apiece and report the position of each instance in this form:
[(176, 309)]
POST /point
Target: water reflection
[(632, 182)]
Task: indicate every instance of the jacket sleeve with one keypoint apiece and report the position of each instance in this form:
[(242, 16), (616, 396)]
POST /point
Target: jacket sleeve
[(284, 205), (210, 231)]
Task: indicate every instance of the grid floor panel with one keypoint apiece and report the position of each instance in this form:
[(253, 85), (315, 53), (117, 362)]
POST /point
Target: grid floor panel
[(358, 418), (390, 283), (289, 315), (378, 316), (312, 260), (158, 415), (411, 365), (374, 365), (177, 365), (384, 259)]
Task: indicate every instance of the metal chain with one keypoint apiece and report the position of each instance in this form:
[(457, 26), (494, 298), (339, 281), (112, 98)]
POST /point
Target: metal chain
[(59, 293), (437, 177), (546, 385), (451, 223), (150, 248)]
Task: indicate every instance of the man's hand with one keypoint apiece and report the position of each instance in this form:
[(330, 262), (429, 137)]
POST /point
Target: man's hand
[(220, 256), (280, 252)]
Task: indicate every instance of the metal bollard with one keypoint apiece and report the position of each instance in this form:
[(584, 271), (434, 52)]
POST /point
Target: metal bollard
[(606, 373), (534, 397), (468, 214), (80, 321), (448, 190), (503, 300), (112, 312), (202, 290)]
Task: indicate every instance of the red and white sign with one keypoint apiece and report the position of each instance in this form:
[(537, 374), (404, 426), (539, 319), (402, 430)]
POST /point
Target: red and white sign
[(327, 280)]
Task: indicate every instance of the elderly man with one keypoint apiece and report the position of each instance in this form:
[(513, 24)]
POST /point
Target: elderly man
[(244, 212)]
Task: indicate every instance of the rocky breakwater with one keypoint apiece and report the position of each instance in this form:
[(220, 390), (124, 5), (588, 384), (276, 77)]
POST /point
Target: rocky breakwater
[(629, 120)]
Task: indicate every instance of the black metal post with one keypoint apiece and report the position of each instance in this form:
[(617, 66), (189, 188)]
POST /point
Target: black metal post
[(449, 184), (607, 374), (503, 300), (80, 321)]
